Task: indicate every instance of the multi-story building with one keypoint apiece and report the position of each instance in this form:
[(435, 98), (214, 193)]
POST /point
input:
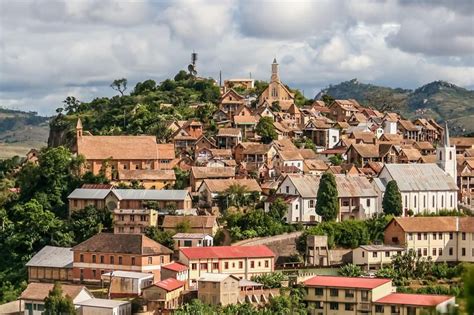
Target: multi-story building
[(444, 239), (330, 295), (206, 224), (134, 220), (373, 257), (164, 295), (276, 91), (105, 252), (218, 289), (192, 240), (240, 261)]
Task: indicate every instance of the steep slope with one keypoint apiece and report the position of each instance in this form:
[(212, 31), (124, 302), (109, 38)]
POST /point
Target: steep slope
[(21, 131)]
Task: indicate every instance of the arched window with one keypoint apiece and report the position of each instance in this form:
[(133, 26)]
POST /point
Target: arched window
[(433, 202), (450, 155), (442, 201), (414, 201)]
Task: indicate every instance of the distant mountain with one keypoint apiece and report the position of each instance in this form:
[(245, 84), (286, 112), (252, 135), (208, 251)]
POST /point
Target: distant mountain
[(439, 99), (21, 131)]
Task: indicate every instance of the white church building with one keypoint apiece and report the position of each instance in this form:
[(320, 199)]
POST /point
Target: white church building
[(425, 187)]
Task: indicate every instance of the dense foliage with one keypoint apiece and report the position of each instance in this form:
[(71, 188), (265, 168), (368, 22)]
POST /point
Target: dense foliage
[(270, 280), (350, 270), (266, 130), (392, 199), (58, 303), (163, 237), (349, 233), (327, 205)]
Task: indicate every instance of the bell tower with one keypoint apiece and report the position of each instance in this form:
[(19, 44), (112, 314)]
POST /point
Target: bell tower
[(275, 75), (446, 155), (79, 129)]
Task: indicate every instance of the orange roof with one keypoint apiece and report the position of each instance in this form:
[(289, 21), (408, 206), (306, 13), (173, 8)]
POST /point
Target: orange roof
[(39, 291), (245, 120), (346, 282), (118, 147), (227, 252), (170, 284), (175, 267), (414, 299)]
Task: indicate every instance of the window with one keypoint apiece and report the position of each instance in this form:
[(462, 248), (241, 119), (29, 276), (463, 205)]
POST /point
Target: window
[(296, 206), (387, 254), (379, 309), (434, 236), (150, 260), (226, 265), (451, 201), (252, 264), (267, 264), (318, 291), (440, 251), (368, 205), (143, 218), (334, 292), (451, 236), (419, 236), (204, 266), (162, 259), (132, 229), (406, 201), (349, 307), (434, 252), (241, 265), (433, 202), (133, 260), (425, 236), (424, 202), (132, 218), (193, 266), (463, 251), (188, 243), (463, 235), (374, 254), (419, 251), (81, 258), (414, 202), (215, 265), (410, 236), (395, 309), (440, 236), (287, 189), (363, 254), (364, 295), (102, 259), (318, 305), (349, 293), (260, 264), (311, 203), (450, 251), (334, 306), (93, 259), (442, 201), (112, 260), (425, 251), (94, 273), (120, 260)]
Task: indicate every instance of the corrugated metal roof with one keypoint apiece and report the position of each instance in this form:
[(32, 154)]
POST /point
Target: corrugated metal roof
[(88, 193), (51, 256), (420, 177)]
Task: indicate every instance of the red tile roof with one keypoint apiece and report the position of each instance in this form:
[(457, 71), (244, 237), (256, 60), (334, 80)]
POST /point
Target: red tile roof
[(413, 299), (175, 267), (170, 284), (227, 252), (346, 282)]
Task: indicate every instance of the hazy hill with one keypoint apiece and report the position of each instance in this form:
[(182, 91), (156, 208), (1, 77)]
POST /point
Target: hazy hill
[(21, 131), (440, 100)]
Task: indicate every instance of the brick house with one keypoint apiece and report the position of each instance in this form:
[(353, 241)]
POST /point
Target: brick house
[(105, 252)]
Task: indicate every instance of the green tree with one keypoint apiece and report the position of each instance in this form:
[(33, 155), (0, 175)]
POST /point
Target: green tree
[(270, 280), (162, 132), (468, 279), (56, 303), (327, 202), (350, 270), (182, 178), (275, 106), (278, 209), (119, 85), (183, 227), (236, 195), (266, 129), (336, 159), (392, 199), (165, 238), (328, 99), (89, 221)]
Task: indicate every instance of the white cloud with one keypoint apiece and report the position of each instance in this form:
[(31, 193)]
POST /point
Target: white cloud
[(70, 47)]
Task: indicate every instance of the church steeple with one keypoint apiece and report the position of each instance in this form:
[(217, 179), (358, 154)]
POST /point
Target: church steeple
[(79, 128), (275, 75), (446, 155)]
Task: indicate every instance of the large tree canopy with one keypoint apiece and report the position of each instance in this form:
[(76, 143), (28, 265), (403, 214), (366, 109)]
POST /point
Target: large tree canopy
[(266, 130), (392, 199)]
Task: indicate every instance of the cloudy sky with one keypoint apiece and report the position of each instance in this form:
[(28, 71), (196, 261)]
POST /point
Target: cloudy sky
[(51, 49)]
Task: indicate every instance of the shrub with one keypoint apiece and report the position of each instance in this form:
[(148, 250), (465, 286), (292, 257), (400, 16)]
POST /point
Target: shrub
[(350, 270)]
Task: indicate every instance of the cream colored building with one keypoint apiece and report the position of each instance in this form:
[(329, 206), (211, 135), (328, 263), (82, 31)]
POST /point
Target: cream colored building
[(218, 289), (276, 91), (444, 239), (165, 294), (240, 261), (373, 257), (134, 220), (331, 295)]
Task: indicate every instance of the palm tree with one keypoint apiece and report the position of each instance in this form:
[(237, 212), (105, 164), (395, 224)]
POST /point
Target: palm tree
[(236, 194)]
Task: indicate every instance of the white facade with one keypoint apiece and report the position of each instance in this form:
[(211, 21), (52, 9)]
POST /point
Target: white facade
[(446, 156), (390, 127), (333, 137)]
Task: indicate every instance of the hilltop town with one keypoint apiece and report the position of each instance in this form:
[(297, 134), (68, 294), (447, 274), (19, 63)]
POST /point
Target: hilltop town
[(238, 197)]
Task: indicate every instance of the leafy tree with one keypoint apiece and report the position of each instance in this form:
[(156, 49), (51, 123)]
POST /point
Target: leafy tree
[(270, 280), (236, 195), (336, 159), (266, 129), (89, 221), (275, 106), (162, 132), (144, 87), (468, 279), (392, 199), (119, 85), (71, 104), (278, 209), (165, 238), (182, 76), (327, 203), (376, 227), (195, 307), (183, 227), (350, 270), (327, 99), (182, 178), (58, 304)]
